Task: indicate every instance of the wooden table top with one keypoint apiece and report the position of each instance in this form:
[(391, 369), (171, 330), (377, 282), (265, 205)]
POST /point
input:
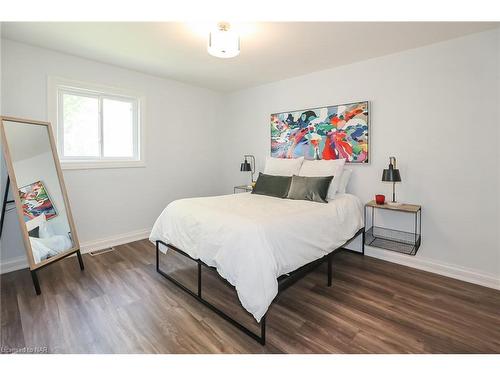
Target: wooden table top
[(403, 207)]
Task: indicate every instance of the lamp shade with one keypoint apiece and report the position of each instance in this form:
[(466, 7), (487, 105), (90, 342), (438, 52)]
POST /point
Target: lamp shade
[(391, 174), (245, 166)]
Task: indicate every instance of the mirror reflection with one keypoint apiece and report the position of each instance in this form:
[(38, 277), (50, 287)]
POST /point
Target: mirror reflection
[(43, 208)]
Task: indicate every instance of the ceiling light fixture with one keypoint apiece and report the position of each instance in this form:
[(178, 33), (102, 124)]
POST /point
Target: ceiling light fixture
[(223, 42)]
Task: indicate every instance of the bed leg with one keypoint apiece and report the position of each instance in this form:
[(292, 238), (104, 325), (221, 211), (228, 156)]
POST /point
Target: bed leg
[(330, 270), (157, 256), (263, 330)]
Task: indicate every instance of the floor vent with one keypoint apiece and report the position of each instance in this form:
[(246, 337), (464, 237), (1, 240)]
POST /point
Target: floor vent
[(103, 251)]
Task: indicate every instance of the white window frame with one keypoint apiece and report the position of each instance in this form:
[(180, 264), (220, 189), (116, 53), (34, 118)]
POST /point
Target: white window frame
[(57, 87)]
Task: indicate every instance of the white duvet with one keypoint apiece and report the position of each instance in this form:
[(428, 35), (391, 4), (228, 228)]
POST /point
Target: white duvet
[(253, 239), (43, 248)]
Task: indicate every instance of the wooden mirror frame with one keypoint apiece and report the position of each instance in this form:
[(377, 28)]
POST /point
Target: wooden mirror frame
[(15, 191)]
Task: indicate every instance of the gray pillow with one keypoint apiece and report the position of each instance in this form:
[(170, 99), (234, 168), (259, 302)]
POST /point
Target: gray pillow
[(35, 232), (309, 188), (274, 186)]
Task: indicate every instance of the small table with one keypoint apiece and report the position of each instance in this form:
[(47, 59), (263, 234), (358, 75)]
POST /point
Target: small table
[(391, 239), (242, 188)]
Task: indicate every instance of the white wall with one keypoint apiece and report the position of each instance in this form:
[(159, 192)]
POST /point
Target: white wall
[(182, 152), (436, 109)]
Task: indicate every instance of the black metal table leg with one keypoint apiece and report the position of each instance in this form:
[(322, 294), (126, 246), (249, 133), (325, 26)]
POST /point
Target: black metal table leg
[(363, 242), (34, 277), (373, 217), (415, 231), (80, 260), (364, 217), (363, 238), (420, 227)]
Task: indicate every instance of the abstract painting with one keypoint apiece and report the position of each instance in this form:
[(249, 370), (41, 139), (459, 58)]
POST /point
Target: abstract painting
[(36, 201), (336, 132)]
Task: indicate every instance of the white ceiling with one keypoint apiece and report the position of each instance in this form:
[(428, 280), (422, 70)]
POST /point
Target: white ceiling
[(270, 51)]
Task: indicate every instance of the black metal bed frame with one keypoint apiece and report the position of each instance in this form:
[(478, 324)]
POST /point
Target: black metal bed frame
[(284, 282)]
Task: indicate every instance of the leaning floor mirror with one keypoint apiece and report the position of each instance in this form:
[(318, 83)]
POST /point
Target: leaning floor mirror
[(36, 182)]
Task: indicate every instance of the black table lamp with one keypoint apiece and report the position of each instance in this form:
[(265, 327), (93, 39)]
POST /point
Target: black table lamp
[(391, 174), (248, 167)]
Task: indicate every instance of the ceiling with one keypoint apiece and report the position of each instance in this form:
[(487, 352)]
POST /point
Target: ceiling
[(270, 51)]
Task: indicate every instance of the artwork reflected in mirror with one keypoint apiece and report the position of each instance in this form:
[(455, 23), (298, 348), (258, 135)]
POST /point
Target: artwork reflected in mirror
[(41, 198)]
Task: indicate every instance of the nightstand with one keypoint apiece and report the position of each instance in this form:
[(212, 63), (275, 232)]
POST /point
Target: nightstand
[(242, 188), (391, 239)]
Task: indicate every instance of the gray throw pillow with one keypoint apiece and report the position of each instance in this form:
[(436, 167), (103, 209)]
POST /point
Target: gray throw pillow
[(309, 188), (274, 186), (35, 232)]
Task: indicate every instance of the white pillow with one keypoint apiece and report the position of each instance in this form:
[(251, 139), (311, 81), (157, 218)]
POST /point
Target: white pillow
[(46, 230), (283, 167), (323, 168), (344, 180)]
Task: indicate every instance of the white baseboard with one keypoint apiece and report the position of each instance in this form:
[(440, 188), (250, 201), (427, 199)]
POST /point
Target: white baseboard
[(13, 264), (114, 240), (18, 263), (444, 269), (417, 262)]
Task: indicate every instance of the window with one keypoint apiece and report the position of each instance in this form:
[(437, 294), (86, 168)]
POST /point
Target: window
[(96, 126)]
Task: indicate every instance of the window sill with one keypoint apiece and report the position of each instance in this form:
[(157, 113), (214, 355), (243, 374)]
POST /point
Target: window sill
[(102, 164)]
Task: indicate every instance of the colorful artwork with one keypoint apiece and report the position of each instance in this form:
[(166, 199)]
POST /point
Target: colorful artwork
[(36, 201), (336, 132)]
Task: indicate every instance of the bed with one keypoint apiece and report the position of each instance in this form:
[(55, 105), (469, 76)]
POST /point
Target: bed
[(259, 244)]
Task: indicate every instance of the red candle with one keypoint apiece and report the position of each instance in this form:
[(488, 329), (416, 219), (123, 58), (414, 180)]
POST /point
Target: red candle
[(380, 199)]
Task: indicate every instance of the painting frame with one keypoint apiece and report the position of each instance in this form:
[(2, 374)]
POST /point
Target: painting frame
[(50, 210), (362, 139)]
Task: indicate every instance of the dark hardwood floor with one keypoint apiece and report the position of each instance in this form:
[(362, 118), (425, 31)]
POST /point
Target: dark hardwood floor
[(120, 304)]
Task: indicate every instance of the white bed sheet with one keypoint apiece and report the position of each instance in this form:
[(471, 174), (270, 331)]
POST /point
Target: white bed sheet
[(253, 239)]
